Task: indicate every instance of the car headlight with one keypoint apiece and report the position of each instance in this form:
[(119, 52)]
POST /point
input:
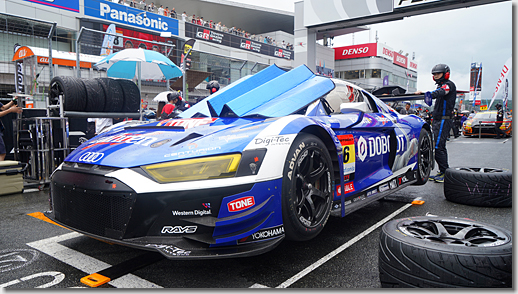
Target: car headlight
[(215, 167)]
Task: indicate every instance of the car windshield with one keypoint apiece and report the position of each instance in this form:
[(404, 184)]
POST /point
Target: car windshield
[(484, 115)]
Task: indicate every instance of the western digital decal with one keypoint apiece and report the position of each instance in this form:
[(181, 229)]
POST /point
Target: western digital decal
[(130, 16), (191, 212)]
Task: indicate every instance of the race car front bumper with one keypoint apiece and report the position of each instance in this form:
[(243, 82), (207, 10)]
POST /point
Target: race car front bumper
[(178, 224)]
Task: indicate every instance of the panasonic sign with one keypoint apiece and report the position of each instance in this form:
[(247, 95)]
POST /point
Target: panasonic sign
[(116, 13)]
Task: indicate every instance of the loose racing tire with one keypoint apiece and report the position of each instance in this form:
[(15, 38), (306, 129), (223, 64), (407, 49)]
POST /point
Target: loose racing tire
[(307, 188), (114, 97), (95, 98), (73, 91), (432, 252), (131, 95), (424, 157), (486, 187)]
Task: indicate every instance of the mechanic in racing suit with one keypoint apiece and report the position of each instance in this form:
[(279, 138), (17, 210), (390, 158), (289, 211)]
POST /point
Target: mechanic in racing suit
[(445, 96), (499, 121)]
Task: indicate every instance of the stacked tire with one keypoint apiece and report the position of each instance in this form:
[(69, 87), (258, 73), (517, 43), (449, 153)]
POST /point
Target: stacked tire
[(95, 95), (485, 187)]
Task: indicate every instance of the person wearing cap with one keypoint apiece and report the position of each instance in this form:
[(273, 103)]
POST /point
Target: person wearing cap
[(445, 96), (499, 121)]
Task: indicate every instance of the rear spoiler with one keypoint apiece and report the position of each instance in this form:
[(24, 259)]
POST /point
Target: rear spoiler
[(401, 97)]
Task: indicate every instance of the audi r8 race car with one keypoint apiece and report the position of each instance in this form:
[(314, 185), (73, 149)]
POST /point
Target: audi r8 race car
[(268, 157)]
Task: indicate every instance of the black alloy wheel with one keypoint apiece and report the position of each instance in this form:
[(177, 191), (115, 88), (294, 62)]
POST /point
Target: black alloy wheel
[(307, 188), (430, 252), (424, 157)]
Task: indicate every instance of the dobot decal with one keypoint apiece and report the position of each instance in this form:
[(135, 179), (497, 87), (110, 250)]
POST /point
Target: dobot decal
[(373, 146)]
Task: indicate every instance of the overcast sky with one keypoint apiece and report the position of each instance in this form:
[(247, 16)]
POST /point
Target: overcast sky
[(456, 37)]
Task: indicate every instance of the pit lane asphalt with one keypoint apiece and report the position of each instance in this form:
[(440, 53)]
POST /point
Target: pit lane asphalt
[(23, 238)]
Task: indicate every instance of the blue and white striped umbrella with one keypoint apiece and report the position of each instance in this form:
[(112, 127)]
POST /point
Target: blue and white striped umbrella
[(154, 65)]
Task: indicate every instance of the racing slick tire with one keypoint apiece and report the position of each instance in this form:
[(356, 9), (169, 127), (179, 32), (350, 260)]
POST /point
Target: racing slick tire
[(425, 158), (433, 252), (307, 188), (114, 97), (131, 95), (95, 97), (486, 187), (73, 91)]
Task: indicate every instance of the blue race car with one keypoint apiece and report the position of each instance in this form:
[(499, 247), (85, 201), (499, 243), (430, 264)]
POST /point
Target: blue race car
[(268, 157)]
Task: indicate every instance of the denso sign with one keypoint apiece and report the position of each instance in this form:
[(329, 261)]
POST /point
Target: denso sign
[(356, 51)]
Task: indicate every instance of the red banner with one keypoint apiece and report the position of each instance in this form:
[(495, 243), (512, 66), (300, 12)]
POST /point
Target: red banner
[(400, 60), (356, 51)]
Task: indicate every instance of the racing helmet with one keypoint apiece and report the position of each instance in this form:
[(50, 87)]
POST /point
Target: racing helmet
[(171, 96), (441, 68), (213, 86)]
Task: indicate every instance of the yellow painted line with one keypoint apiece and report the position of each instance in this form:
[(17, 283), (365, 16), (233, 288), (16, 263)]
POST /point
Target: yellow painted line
[(41, 216)]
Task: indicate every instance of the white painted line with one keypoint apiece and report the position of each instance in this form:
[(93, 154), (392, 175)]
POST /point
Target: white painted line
[(58, 277), (30, 190), (258, 286), (324, 259), (84, 262)]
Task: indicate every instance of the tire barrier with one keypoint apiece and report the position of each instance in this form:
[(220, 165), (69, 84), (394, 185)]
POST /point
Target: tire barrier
[(436, 252), (95, 95), (486, 187)]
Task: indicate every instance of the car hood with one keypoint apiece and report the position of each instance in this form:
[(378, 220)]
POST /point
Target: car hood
[(168, 140)]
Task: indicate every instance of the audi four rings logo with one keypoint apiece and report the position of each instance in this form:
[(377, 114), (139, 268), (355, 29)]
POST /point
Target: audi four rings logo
[(91, 157)]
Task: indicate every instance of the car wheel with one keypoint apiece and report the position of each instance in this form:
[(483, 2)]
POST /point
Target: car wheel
[(307, 188), (424, 157), (487, 187), (73, 91), (432, 252)]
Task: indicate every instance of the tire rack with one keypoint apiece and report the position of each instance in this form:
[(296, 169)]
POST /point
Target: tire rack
[(36, 143)]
